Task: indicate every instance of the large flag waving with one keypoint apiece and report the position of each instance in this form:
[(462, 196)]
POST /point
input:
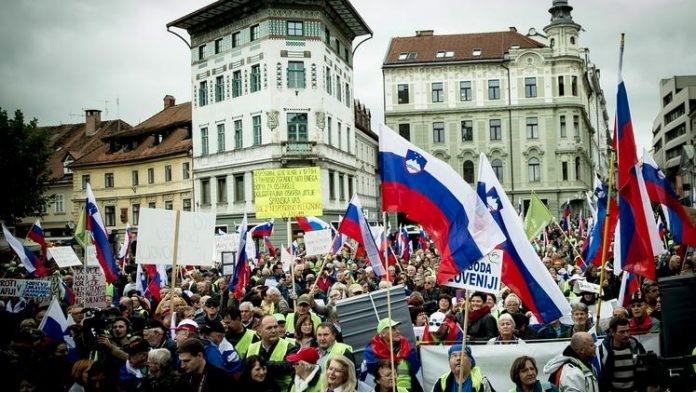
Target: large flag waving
[(592, 248), (355, 226), (29, 260), (311, 223), (36, 234), (537, 218), (55, 325), (661, 191), (434, 195), (241, 274), (81, 234), (262, 230), (523, 271), (96, 228)]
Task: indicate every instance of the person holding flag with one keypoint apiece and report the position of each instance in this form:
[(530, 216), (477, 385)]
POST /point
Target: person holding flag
[(28, 259), (355, 226), (36, 234), (242, 273)]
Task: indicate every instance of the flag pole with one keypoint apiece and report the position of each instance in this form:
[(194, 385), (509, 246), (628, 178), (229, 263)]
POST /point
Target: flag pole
[(605, 240), (389, 313), (175, 254), (569, 242), (292, 265), (464, 330)]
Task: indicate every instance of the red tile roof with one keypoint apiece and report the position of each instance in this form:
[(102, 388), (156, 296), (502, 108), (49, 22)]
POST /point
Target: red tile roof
[(172, 117), (492, 45)]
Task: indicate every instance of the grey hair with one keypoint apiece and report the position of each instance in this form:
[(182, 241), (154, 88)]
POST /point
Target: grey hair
[(579, 307), (272, 291), (250, 304), (160, 356), (507, 317)]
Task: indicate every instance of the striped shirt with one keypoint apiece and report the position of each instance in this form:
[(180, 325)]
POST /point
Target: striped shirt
[(624, 370)]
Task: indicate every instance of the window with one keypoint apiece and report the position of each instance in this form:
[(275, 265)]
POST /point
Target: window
[(341, 187), (564, 170), (350, 186), (296, 75), (476, 52), (255, 78), (236, 84), (667, 99), (577, 168), (218, 46), (530, 87), (168, 205), (338, 46), (327, 36), (439, 132), (205, 192), (494, 89), (332, 186), (134, 178), (110, 216), (295, 28), (532, 128), (222, 189), (186, 205), (238, 137), (338, 87), (150, 175), (239, 188), (203, 94), (574, 85), (60, 203), (204, 141), (108, 180), (675, 113), (185, 170), (329, 124), (402, 94), (201, 52), (576, 126), (465, 91), (572, 40), (220, 138), (443, 54), (561, 86), (85, 181), (348, 95), (327, 80), (497, 165), (496, 133), (135, 209), (467, 130), (167, 173), (235, 39), (254, 33), (407, 56), (348, 139), (534, 169), (563, 126), (671, 135), (297, 127), (468, 171), (256, 127), (340, 136), (437, 92), (219, 89), (405, 131), (553, 43)]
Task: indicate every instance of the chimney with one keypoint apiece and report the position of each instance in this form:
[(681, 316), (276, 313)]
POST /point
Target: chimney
[(513, 29), (92, 120), (169, 101), (424, 33)]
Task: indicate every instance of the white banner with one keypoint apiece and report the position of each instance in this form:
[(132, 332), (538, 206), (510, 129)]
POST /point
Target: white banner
[(225, 243), (11, 287), (89, 286), (483, 275), (317, 242), (64, 256)]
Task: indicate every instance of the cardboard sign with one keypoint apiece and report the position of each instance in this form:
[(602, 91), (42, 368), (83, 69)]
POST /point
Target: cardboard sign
[(225, 243), (584, 286), (228, 259), (156, 238), (64, 256), (25, 288), (317, 242), (291, 192), (483, 275), (89, 286)]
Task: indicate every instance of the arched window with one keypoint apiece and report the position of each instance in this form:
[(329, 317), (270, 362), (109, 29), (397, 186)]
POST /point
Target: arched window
[(553, 42), (497, 166), (534, 169), (572, 40), (468, 171)]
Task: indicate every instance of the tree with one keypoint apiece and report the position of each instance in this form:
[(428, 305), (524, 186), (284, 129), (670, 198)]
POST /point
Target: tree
[(24, 155)]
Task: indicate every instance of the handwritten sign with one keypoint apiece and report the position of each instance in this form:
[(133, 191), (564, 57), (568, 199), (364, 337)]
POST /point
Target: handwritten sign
[(64, 256), (317, 242), (89, 286), (225, 243), (584, 286), (288, 192), (483, 275), (25, 288)]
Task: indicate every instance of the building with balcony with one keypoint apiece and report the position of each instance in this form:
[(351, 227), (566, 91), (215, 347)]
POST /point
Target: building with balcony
[(532, 103), (273, 88), (367, 185)]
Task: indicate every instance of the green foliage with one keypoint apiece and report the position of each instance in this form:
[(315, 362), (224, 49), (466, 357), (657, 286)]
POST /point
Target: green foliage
[(24, 155)]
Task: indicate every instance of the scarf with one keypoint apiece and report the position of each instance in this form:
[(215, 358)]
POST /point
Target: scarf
[(640, 327), (381, 348), (475, 315)]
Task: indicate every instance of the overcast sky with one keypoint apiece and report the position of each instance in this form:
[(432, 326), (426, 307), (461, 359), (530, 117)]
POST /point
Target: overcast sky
[(58, 57)]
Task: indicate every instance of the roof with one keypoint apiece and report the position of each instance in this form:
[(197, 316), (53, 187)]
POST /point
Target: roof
[(72, 139), (492, 45), (168, 118)]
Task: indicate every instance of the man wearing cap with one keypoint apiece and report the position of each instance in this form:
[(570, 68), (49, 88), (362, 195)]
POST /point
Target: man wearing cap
[(214, 333), (274, 350), (304, 303), (442, 328), (326, 340), (307, 372), (641, 322), (211, 312), (156, 335), (238, 335), (187, 328), (133, 373), (282, 329), (461, 362), (406, 359)]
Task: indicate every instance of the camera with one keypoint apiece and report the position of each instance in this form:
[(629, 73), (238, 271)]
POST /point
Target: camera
[(671, 373), (96, 323)]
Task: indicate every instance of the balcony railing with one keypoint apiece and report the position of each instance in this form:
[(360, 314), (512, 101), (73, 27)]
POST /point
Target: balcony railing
[(298, 148)]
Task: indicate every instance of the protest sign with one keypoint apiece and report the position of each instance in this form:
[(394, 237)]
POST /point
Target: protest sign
[(225, 243), (156, 230), (288, 192), (285, 258), (25, 288), (317, 242), (64, 256), (483, 275), (584, 286), (228, 262), (89, 286)]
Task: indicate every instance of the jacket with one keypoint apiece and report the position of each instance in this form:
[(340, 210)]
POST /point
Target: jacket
[(214, 379), (606, 359), (479, 383), (570, 374)]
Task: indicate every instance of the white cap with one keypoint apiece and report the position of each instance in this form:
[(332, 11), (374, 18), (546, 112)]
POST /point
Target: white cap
[(435, 320)]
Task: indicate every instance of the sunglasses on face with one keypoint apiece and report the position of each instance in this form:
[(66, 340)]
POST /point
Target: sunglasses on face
[(433, 323)]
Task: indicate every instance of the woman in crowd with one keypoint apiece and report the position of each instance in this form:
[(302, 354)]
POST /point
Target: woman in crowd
[(79, 375), (339, 375), (482, 325), (161, 375), (444, 304), (255, 378), (307, 372), (304, 332), (506, 331), (523, 374)]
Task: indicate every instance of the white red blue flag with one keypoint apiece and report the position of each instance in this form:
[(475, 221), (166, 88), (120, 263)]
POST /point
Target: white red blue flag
[(592, 247), (405, 246), (36, 234), (269, 246), (431, 193), (311, 223), (523, 271), (262, 230), (629, 286), (29, 260), (240, 277), (100, 238), (125, 246), (55, 325), (423, 242), (339, 239), (565, 223), (355, 226)]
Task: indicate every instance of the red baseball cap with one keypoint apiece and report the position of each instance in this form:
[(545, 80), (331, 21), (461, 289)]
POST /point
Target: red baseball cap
[(309, 355)]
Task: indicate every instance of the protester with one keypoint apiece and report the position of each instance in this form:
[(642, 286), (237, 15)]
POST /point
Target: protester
[(236, 333), (274, 350), (134, 372), (464, 375), (255, 376), (339, 375), (404, 355), (641, 322), (199, 375), (617, 356), (523, 374), (571, 370), (307, 371), (303, 308), (327, 345), (442, 329), (214, 332), (161, 376), (482, 325), (506, 331), (79, 375)]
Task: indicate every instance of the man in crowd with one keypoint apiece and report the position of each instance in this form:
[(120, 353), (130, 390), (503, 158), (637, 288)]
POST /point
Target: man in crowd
[(406, 359), (198, 374), (158, 337), (211, 312), (236, 333), (464, 375), (246, 309), (274, 350), (641, 322), (214, 333), (133, 373), (326, 340), (617, 356), (442, 328), (571, 370), (304, 303)]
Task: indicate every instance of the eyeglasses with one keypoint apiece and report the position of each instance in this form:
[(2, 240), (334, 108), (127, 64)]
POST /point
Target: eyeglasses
[(433, 323)]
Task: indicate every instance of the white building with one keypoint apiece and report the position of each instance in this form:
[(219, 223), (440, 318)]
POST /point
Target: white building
[(272, 86)]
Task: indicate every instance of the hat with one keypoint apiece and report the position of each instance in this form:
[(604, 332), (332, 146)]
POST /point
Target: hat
[(154, 324), (138, 345), (637, 297), (309, 355), (212, 302), (213, 326), (385, 323), (435, 321), (280, 318), (187, 324), (458, 348), (304, 299)]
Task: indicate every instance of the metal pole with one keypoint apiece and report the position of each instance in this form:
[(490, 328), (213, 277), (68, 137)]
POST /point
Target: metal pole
[(605, 241), (461, 354), (389, 313)]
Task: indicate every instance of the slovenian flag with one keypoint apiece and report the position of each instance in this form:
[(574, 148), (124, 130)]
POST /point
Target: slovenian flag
[(405, 247), (29, 260), (125, 246), (269, 246), (240, 276), (565, 223), (311, 223), (262, 230), (55, 325), (592, 247), (36, 234), (431, 193), (355, 226), (100, 238)]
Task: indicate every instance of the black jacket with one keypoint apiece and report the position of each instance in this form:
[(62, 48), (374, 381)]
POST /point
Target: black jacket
[(606, 359), (216, 380), (483, 329)]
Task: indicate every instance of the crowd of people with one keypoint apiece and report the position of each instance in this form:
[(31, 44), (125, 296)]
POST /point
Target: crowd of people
[(286, 336)]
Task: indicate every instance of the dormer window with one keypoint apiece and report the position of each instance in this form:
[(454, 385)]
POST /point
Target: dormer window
[(66, 165), (158, 139), (514, 46), (442, 54), (476, 52), (407, 55)]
